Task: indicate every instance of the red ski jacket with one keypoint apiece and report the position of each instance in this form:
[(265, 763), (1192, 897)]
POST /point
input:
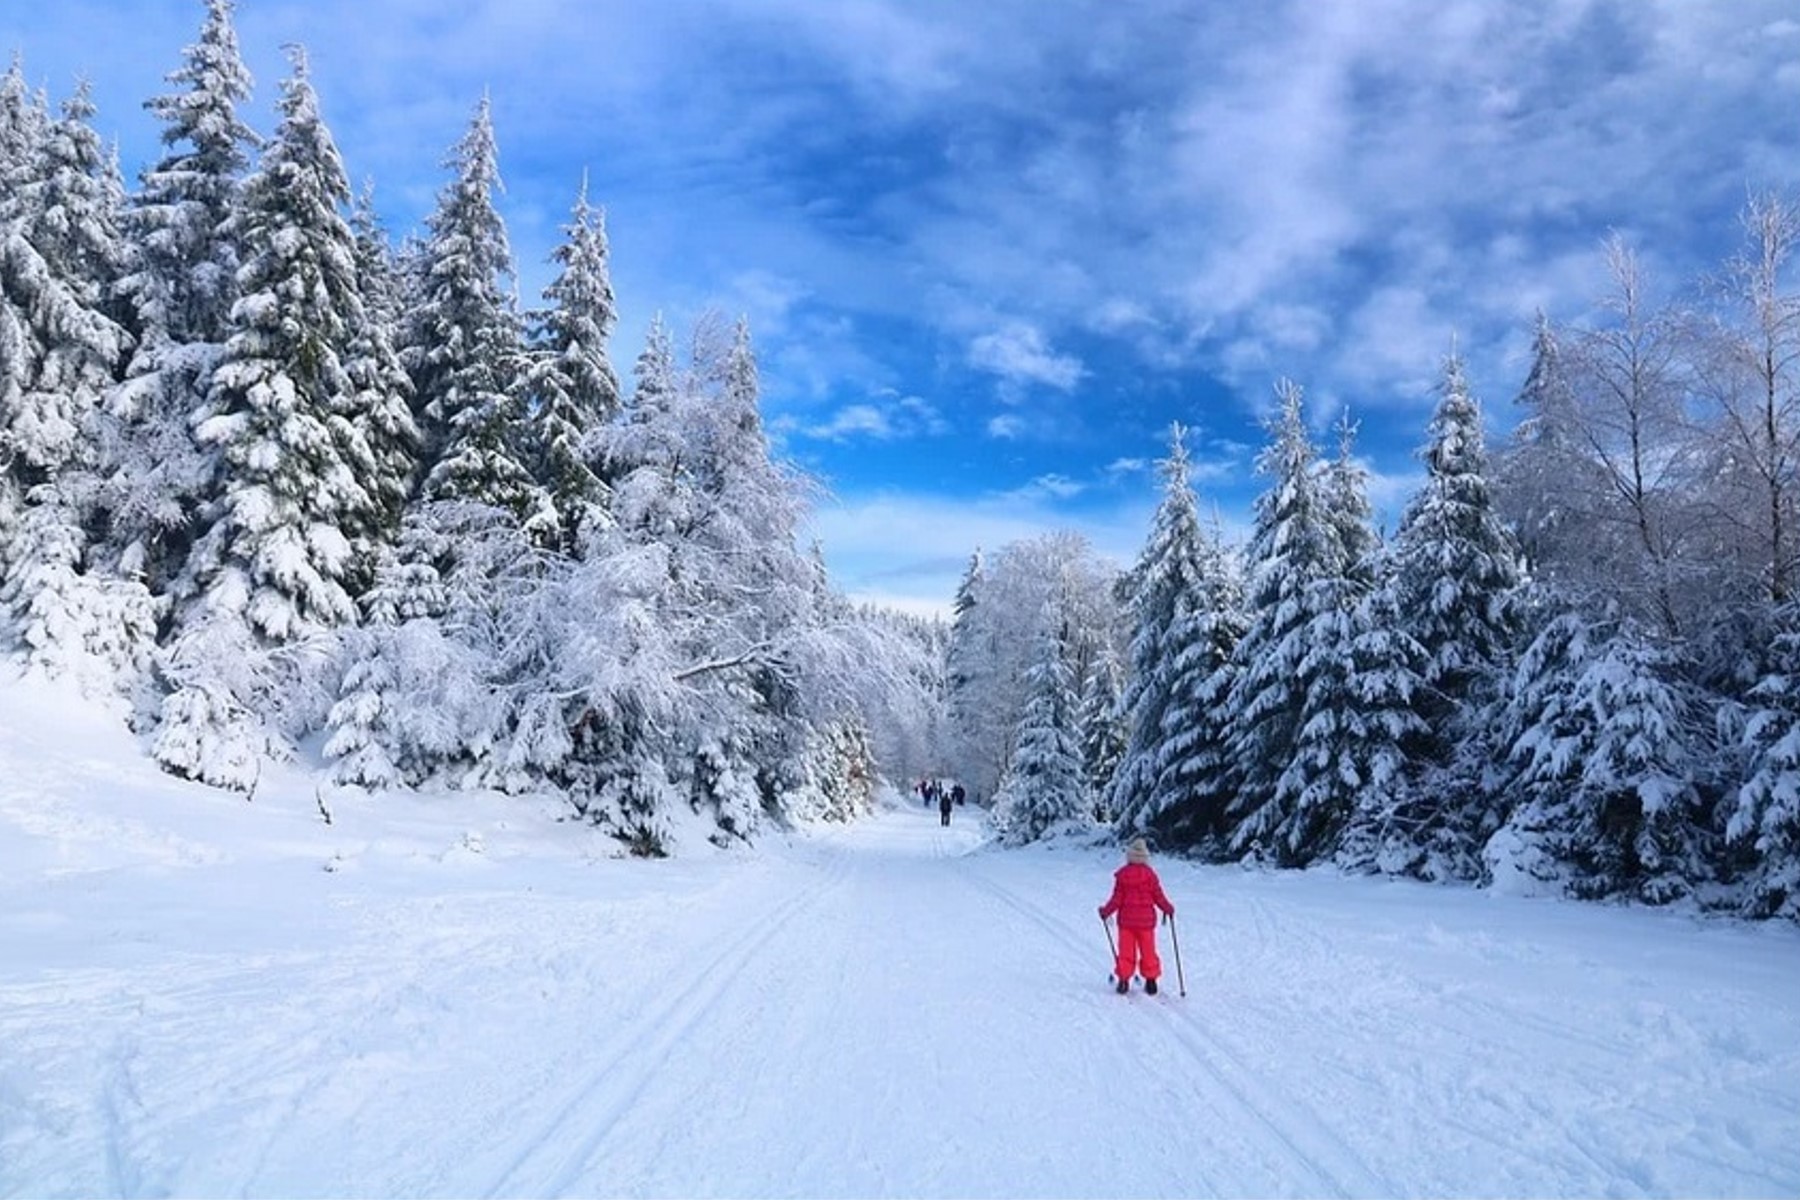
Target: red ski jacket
[(1137, 894)]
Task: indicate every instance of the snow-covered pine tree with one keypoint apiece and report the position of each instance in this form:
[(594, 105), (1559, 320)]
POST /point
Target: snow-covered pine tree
[(969, 662), (1101, 722), (1767, 810), (1604, 744), (645, 457), (1451, 589), (1359, 672), (1292, 547), (573, 386), (1532, 476), (60, 349), (696, 492), (1194, 770), (1165, 597), (994, 640), (278, 557), (381, 390), (181, 286), (1043, 786), (465, 346), (60, 255), (1456, 567)]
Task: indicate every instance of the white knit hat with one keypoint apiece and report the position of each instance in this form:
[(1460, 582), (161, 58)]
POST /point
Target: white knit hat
[(1138, 851)]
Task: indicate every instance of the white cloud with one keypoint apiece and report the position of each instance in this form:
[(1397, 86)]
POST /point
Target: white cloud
[(1047, 487), (886, 418), (1019, 353), (1006, 425), (857, 420)]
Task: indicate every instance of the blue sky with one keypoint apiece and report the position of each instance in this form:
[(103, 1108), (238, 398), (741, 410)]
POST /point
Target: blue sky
[(989, 251)]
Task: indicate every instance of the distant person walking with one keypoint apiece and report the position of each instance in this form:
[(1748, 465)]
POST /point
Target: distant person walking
[(1136, 896), (944, 803)]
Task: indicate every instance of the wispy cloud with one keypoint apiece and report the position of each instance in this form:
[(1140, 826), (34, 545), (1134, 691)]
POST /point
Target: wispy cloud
[(894, 417), (1019, 353)]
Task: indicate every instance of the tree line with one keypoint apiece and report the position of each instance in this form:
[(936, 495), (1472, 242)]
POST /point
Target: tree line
[(279, 483)]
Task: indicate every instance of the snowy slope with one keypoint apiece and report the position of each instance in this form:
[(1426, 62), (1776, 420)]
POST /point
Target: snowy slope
[(479, 1001)]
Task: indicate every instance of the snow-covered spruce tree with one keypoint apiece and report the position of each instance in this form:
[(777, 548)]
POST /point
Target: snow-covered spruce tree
[(465, 346), (1186, 604), (574, 389), (839, 781), (1360, 674), (1456, 567), (1532, 475), (1165, 595), (1453, 590), (278, 555), (1101, 722), (1043, 786), (1194, 772), (60, 348), (180, 287), (968, 661), (1767, 810), (1292, 548), (381, 390), (1603, 743)]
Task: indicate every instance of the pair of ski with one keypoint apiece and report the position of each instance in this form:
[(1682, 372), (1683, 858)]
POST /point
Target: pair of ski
[(1174, 939)]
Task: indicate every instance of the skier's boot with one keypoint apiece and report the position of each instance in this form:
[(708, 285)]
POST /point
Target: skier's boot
[(1124, 986), (1150, 986)]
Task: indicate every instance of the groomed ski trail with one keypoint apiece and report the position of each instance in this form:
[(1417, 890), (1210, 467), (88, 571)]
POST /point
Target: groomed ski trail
[(888, 1009)]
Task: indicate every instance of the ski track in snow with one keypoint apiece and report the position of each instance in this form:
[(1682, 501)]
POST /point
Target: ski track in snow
[(475, 1003)]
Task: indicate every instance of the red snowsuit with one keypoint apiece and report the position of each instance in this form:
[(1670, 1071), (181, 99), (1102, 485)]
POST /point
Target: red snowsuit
[(1136, 896)]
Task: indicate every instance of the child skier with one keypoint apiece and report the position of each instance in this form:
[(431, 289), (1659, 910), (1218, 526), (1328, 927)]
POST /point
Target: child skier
[(1137, 894)]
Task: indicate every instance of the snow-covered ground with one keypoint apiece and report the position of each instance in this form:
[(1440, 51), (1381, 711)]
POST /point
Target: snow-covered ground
[(476, 1000)]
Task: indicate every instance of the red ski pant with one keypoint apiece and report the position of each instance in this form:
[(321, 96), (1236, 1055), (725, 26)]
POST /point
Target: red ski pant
[(1137, 952)]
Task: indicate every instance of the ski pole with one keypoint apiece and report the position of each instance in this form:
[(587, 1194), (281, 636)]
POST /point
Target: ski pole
[(1106, 925), (1175, 939)]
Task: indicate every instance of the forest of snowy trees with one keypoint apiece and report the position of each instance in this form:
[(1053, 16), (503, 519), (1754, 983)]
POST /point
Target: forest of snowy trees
[(272, 480), (278, 483), (1571, 667)]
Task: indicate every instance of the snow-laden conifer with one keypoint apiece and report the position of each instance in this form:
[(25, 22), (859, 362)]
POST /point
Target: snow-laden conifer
[(279, 556), (1188, 597), (1166, 587), (1360, 675), (1100, 721), (574, 389), (180, 287), (1043, 786), (1456, 566), (60, 349), (381, 390), (1292, 549), (465, 347), (1766, 812), (298, 471), (1604, 744)]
